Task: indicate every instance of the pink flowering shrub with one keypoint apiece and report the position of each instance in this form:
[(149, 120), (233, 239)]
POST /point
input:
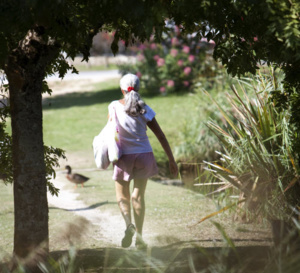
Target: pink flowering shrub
[(180, 62), (191, 58), (172, 66), (140, 57), (170, 83), (156, 57), (160, 62), (174, 41), (173, 52), (186, 49), (162, 89), (187, 70), (153, 46)]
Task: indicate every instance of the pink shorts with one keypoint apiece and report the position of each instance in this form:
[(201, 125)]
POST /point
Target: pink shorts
[(135, 166)]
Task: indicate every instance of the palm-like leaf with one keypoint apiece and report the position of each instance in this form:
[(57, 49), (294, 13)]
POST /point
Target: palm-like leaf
[(258, 143)]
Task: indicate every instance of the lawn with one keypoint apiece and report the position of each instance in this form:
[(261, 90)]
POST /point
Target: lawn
[(7, 222)]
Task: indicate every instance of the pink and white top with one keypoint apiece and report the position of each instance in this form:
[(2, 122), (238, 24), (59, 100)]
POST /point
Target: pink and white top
[(132, 130)]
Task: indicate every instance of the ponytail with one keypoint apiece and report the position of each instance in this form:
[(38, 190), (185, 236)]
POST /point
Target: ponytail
[(134, 105)]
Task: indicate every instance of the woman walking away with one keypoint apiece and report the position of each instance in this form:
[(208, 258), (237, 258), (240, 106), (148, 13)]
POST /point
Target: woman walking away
[(137, 162)]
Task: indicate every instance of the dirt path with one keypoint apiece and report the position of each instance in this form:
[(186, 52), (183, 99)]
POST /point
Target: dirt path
[(79, 82), (107, 224)]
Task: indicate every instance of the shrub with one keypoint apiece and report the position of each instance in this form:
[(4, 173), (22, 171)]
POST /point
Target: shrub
[(172, 66)]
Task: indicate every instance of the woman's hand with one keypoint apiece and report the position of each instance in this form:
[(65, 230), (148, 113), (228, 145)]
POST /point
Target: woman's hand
[(173, 168)]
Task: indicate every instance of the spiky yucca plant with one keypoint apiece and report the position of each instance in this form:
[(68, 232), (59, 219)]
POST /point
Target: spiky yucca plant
[(257, 158)]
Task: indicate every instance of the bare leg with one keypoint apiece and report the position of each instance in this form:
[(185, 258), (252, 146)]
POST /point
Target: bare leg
[(123, 199), (138, 204)]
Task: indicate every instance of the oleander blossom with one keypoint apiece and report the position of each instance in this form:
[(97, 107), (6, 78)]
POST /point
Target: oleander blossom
[(191, 58), (156, 57), (174, 41), (173, 52), (186, 49), (170, 83), (162, 89), (142, 47), (180, 63), (186, 83), (187, 70), (140, 57), (160, 62), (177, 30), (153, 46)]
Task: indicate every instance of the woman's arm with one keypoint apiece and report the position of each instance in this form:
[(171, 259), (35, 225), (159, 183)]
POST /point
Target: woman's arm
[(155, 128)]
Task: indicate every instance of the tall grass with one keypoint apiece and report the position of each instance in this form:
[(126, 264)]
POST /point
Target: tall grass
[(197, 141), (257, 160)]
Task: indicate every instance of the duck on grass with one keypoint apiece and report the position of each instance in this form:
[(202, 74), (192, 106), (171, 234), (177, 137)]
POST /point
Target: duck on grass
[(76, 178)]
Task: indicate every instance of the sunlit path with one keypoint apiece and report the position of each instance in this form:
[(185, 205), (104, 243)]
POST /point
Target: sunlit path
[(108, 226)]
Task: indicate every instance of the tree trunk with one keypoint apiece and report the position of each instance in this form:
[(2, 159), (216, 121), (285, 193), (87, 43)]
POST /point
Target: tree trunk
[(25, 71)]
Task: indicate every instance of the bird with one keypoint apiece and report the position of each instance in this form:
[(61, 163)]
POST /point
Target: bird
[(75, 177)]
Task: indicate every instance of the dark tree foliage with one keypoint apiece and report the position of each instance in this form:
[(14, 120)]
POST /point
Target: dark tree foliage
[(36, 36), (249, 33)]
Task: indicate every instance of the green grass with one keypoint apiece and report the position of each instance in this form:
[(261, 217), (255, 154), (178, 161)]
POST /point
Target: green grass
[(6, 219), (71, 120), (56, 227)]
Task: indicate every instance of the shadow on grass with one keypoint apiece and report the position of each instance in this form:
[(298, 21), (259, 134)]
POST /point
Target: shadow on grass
[(88, 98), (81, 98), (82, 209), (169, 259)]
